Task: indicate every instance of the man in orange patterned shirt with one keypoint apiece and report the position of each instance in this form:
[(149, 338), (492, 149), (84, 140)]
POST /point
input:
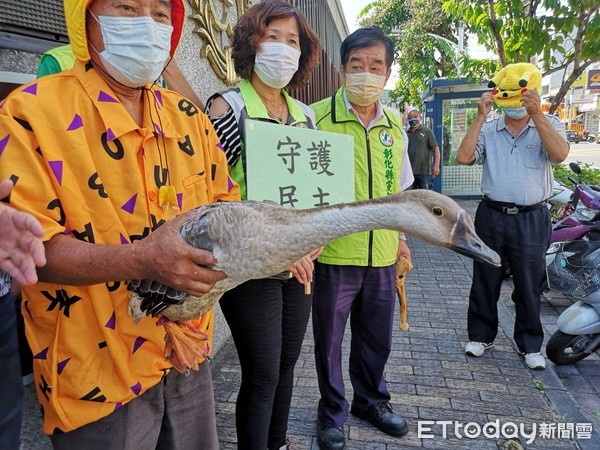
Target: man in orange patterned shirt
[(91, 151)]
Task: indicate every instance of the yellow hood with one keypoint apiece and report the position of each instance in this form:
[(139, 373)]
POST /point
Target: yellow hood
[(75, 17), (509, 83)]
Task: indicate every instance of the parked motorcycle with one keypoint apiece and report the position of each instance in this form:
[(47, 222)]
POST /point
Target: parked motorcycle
[(581, 214), (561, 195), (573, 269), (575, 272)]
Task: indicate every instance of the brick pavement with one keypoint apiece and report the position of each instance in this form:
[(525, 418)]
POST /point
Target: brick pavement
[(429, 376)]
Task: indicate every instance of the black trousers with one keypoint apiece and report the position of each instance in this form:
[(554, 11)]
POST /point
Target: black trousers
[(521, 240), (367, 295), (268, 320), (11, 382)]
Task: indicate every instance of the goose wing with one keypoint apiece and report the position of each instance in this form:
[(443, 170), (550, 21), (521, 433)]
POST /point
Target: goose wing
[(229, 223), (156, 297)]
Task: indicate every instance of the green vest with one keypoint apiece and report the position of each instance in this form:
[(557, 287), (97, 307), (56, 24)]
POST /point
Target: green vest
[(377, 166), (63, 55), (246, 104)]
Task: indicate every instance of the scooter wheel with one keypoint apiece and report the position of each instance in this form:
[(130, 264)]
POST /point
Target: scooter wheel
[(563, 349)]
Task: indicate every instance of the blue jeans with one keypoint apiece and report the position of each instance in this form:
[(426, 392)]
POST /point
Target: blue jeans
[(11, 382), (422, 182)]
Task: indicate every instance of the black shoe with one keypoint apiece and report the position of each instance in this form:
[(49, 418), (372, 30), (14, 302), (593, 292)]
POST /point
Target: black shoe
[(383, 417), (330, 438)]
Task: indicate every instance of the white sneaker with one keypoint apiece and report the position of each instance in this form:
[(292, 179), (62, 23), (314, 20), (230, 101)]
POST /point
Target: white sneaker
[(535, 361), (477, 348)]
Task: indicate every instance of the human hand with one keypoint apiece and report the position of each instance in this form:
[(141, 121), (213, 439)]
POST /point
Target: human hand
[(484, 105), (303, 269), (316, 252), (165, 257), (435, 171), (532, 102), (403, 250), (405, 112), (21, 245)]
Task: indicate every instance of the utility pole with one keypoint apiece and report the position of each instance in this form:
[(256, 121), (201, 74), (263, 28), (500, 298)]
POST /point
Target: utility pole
[(570, 119)]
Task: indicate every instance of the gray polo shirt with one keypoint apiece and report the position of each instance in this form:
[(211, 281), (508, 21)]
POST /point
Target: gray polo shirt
[(515, 169)]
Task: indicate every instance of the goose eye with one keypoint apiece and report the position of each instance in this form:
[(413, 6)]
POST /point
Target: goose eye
[(437, 211)]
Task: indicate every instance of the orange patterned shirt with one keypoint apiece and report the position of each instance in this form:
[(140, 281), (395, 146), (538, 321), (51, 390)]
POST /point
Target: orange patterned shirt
[(84, 168)]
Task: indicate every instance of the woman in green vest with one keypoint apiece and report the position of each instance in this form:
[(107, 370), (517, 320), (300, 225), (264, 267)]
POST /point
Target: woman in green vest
[(273, 48)]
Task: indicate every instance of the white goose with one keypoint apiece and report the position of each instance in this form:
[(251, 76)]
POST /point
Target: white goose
[(253, 240)]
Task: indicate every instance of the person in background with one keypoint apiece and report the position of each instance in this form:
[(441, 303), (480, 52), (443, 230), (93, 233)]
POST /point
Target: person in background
[(21, 250), (91, 150), (517, 150), (62, 58), (273, 48), (56, 60), (423, 149), (357, 273)]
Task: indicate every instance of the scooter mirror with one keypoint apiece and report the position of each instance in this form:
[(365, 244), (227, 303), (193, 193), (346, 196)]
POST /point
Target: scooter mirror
[(575, 168)]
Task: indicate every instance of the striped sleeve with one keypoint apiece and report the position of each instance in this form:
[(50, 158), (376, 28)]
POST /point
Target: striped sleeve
[(4, 284), (228, 132)]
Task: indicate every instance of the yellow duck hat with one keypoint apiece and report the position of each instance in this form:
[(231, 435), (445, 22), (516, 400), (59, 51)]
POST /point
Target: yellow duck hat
[(512, 81)]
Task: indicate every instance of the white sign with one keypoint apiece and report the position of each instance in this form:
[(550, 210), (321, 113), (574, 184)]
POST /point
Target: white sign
[(298, 167)]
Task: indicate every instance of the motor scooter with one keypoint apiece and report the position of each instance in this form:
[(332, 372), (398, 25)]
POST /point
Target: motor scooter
[(573, 269), (575, 272), (561, 196), (581, 214)]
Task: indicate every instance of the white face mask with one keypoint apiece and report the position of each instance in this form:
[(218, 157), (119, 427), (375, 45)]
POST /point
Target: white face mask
[(135, 48), (364, 88), (276, 63), (515, 113)]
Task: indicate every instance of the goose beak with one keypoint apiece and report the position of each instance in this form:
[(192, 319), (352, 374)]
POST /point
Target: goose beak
[(465, 241)]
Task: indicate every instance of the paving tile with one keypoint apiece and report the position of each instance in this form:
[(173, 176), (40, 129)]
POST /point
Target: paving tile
[(414, 379), (476, 385), (536, 399), (485, 407)]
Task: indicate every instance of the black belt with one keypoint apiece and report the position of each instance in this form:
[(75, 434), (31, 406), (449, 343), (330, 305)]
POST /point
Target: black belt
[(511, 208)]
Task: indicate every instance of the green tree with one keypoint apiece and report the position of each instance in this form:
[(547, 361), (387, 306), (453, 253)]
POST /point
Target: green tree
[(565, 34), (420, 56)]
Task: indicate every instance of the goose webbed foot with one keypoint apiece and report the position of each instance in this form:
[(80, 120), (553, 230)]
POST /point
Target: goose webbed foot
[(184, 345)]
